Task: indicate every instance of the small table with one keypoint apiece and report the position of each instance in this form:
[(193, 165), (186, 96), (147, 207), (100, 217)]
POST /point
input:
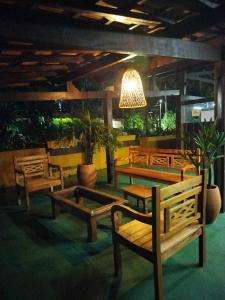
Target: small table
[(140, 192), (73, 199)]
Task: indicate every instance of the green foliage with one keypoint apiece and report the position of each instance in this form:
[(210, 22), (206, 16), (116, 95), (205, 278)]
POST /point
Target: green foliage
[(95, 135), (134, 123), (168, 122), (210, 141)]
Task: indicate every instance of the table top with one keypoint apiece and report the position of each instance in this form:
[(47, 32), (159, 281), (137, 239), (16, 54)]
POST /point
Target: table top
[(138, 190)]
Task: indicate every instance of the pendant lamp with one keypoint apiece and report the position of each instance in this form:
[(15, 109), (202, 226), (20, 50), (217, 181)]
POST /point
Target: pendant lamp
[(132, 94)]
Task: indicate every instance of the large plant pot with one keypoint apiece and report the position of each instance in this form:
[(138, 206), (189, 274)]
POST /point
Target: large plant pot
[(213, 203), (86, 175)]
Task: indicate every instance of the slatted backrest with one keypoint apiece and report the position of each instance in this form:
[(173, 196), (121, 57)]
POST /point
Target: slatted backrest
[(168, 158), (182, 204), (33, 165), (157, 159)]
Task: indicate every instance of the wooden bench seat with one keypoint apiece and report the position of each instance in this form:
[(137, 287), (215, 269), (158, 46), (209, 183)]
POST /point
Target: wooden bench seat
[(147, 174), (140, 235), (177, 218)]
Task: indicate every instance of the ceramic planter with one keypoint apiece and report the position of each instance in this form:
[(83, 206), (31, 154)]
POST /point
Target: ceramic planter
[(213, 203), (86, 175)]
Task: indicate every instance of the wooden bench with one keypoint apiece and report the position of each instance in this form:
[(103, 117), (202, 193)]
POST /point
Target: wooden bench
[(33, 173), (140, 192), (73, 200), (148, 174), (178, 218)]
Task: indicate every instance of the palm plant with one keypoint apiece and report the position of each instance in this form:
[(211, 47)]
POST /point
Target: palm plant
[(209, 141), (93, 134)]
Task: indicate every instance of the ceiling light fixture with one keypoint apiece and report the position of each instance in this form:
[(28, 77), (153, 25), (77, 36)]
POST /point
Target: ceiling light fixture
[(132, 94)]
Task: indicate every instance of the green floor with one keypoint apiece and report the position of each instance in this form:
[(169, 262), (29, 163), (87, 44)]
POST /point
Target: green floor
[(42, 258)]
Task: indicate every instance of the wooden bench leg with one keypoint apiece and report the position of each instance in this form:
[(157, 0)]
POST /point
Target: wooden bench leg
[(116, 181), (131, 180), (145, 206), (201, 241), (125, 195), (27, 200), (158, 283), (92, 229), (138, 202), (117, 257)]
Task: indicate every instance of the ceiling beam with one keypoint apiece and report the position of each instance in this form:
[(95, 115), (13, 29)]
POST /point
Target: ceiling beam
[(201, 21), (50, 96), (121, 14), (56, 32), (211, 4)]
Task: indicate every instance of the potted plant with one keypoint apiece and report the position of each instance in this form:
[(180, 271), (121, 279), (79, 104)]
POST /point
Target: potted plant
[(209, 141), (93, 134)]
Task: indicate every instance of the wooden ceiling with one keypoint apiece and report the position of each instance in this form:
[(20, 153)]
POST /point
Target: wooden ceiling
[(42, 42)]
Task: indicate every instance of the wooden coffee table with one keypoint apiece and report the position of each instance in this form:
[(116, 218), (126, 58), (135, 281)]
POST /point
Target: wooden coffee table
[(140, 192), (73, 200)]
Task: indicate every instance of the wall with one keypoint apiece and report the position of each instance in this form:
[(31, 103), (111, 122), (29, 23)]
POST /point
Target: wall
[(164, 142), (68, 161)]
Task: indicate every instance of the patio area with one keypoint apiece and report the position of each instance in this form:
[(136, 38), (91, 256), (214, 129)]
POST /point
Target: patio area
[(120, 103), (42, 258)]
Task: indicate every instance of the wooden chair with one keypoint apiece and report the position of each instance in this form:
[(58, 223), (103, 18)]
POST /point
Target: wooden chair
[(33, 173), (177, 218)]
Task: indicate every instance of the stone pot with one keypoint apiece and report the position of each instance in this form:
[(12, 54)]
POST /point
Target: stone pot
[(213, 203), (86, 175)]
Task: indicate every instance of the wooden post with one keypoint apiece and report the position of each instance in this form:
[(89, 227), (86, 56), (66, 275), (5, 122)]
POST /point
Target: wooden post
[(108, 123), (179, 121), (219, 86)]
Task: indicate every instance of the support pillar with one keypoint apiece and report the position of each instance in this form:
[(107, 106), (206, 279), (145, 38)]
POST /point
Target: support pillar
[(107, 105), (219, 94), (180, 99)]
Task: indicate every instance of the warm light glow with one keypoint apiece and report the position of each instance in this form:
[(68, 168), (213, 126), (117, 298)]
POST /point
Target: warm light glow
[(132, 94)]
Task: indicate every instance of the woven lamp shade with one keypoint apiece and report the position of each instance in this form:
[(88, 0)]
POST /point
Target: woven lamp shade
[(132, 94)]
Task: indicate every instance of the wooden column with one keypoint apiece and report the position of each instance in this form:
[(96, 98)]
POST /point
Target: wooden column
[(219, 94), (179, 121), (108, 122)]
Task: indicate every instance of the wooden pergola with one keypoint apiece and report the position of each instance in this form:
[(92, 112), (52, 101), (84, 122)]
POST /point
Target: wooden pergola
[(47, 45)]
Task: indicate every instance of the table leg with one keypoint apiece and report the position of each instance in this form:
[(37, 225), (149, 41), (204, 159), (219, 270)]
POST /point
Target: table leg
[(55, 209), (92, 229)]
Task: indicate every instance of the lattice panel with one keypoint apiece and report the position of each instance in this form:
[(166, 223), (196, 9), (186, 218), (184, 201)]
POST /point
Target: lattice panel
[(182, 212), (177, 162), (159, 161), (140, 159), (34, 169)]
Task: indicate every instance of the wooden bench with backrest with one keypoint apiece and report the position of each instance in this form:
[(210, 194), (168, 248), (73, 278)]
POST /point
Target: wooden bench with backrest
[(177, 218), (172, 159), (152, 160), (33, 173)]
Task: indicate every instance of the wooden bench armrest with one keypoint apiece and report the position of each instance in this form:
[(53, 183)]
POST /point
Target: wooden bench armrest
[(54, 166), (190, 167), (144, 218), (58, 167), (19, 171), (122, 158)]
